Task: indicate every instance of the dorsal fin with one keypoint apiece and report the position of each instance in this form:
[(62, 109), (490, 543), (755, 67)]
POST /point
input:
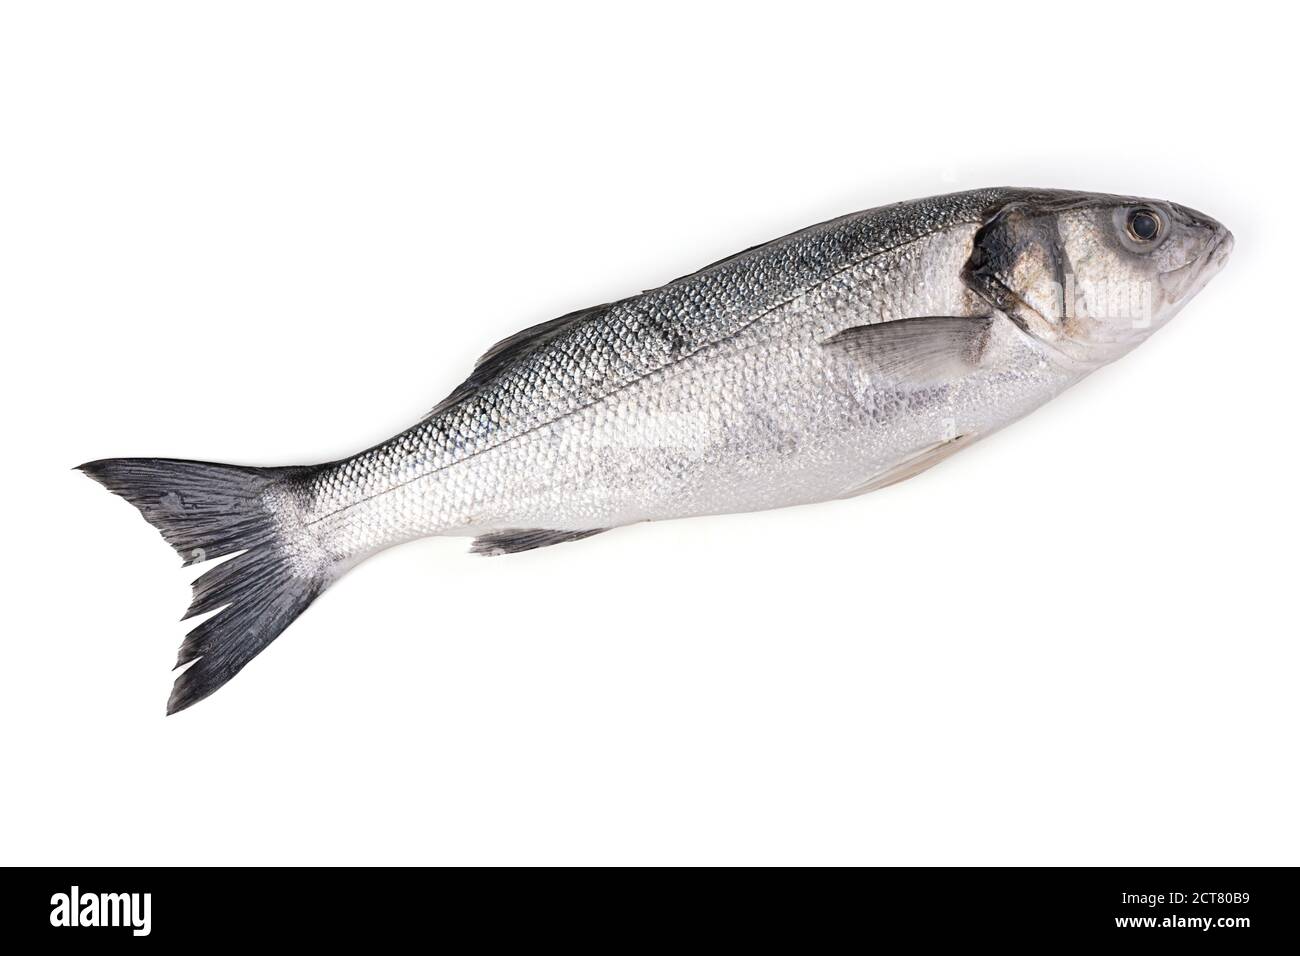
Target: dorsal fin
[(513, 347), (756, 247), (721, 262), (508, 350)]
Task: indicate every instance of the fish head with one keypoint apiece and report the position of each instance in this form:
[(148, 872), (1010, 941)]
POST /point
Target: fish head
[(1093, 275)]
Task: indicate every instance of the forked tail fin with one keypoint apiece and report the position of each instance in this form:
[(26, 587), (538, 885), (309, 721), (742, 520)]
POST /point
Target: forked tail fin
[(207, 510)]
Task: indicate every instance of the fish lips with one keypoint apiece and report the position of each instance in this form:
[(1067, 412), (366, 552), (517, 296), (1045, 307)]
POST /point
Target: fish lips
[(1182, 284)]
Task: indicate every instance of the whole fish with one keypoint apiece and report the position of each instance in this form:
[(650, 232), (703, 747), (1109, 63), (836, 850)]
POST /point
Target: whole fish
[(829, 363)]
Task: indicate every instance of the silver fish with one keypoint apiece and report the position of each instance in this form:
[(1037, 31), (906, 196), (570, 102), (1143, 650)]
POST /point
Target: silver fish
[(832, 362)]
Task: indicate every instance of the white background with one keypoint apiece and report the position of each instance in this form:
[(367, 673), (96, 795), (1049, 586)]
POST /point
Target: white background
[(277, 233)]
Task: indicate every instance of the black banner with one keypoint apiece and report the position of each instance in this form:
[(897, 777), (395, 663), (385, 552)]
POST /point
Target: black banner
[(180, 906)]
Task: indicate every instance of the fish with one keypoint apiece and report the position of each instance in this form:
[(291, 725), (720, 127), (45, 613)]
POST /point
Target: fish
[(830, 363)]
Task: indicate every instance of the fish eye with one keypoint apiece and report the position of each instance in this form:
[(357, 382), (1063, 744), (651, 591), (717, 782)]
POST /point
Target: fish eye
[(1143, 225)]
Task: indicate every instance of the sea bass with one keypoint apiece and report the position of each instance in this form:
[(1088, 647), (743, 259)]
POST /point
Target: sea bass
[(832, 362)]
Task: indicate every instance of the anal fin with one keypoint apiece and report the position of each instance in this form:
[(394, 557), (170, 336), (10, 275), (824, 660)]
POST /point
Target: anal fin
[(525, 539)]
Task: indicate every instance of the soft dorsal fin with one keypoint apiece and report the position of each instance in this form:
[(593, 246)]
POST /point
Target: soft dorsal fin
[(510, 349)]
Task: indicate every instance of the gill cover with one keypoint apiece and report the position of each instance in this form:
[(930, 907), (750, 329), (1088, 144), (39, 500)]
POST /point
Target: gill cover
[(1018, 262)]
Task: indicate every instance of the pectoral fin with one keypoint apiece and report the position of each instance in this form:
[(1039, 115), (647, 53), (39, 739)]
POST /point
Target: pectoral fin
[(911, 466), (923, 350)]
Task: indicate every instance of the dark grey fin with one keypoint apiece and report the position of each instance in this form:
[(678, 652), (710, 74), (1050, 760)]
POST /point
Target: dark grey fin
[(525, 539), (724, 260), (923, 350), (911, 466), (509, 350), (757, 247), (206, 510)]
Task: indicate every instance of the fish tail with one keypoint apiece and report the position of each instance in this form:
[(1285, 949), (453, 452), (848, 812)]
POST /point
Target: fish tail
[(205, 510)]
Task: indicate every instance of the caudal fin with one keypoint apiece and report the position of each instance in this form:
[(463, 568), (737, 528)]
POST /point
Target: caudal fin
[(206, 510)]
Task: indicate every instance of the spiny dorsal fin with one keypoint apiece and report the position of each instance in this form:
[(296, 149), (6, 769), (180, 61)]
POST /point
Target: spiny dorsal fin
[(525, 539), (510, 349), (921, 351)]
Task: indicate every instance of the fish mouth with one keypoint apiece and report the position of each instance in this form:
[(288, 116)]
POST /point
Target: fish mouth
[(1224, 243), (1182, 284)]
